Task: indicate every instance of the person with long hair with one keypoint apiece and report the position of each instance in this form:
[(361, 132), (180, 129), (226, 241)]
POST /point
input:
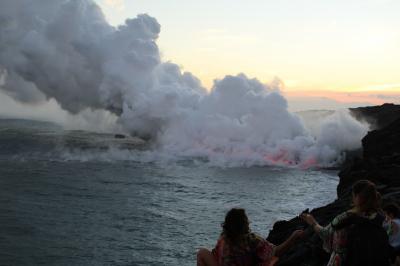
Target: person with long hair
[(366, 205), (238, 246), (392, 226)]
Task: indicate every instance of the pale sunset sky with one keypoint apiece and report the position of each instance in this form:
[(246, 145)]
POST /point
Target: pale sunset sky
[(328, 53)]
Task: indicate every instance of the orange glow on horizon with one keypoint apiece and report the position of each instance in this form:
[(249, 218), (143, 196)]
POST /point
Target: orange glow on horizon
[(374, 96)]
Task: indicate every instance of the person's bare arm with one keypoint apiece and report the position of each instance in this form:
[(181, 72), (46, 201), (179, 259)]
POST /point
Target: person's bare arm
[(282, 248), (309, 219)]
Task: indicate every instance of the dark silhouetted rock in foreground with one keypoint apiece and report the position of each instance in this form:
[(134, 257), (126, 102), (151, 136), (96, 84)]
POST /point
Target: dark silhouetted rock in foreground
[(379, 162)]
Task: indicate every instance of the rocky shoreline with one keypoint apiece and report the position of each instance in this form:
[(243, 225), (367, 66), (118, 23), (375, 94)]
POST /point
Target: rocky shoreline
[(379, 162)]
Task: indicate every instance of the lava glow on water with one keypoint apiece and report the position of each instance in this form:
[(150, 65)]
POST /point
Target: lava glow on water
[(274, 157), (284, 158)]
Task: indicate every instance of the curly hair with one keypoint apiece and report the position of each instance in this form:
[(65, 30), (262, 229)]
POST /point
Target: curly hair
[(236, 225), (369, 196)]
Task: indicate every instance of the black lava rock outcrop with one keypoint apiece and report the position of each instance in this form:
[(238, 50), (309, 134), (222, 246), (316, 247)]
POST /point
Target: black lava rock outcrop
[(377, 116), (379, 162)]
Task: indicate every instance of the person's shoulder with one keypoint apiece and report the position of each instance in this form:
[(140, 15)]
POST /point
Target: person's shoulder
[(341, 220), (221, 239), (377, 217), (344, 215), (350, 213), (370, 218), (258, 242), (255, 237)]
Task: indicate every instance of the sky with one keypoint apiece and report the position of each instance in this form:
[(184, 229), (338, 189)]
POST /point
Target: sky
[(327, 53)]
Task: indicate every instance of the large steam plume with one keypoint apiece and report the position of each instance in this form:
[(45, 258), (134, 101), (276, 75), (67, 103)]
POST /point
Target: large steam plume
[(65, 50)]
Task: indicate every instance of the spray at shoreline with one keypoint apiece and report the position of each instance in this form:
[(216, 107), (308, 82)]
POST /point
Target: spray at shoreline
[(66, 51)]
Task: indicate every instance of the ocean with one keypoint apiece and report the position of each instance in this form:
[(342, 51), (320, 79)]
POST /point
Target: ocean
[(71, 197)]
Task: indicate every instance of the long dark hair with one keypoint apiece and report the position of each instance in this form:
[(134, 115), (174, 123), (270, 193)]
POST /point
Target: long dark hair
[(392, 209), (236, 225), (368, 195)]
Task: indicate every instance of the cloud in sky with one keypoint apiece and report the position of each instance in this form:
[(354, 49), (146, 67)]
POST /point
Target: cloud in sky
[(341, 44)]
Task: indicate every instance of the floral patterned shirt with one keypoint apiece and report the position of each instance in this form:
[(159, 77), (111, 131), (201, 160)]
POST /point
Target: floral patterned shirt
[(392, 227), (254, 250), (335, 241)]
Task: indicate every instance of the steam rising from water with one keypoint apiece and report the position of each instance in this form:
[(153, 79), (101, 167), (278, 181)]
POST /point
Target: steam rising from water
[(66, 51)]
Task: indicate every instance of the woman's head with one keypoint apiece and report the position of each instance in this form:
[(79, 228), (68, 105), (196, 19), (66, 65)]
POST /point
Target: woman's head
[(365, 196), (392, 210), (236, 224)]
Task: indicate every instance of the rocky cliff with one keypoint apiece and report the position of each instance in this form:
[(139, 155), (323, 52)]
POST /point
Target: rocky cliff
[(377, 116)]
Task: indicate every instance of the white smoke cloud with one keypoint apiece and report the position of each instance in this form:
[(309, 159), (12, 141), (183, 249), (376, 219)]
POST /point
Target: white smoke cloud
[(245, 122), (65, 51), (70, 53), (341, 131), (115, 4), (50, 111)]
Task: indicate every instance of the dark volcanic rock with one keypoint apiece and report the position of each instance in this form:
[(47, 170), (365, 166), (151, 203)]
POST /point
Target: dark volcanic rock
[(377, 116), (382, 143), (379, 162)]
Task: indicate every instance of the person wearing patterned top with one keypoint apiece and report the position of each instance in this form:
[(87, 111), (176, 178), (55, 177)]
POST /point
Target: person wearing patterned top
[(366, 201), (237, 246)]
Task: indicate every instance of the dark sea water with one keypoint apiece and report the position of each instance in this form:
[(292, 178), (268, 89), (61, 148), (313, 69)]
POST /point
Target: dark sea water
[(66, 198)]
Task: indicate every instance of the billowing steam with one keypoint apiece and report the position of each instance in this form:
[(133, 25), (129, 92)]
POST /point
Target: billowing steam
[(66, 51)]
